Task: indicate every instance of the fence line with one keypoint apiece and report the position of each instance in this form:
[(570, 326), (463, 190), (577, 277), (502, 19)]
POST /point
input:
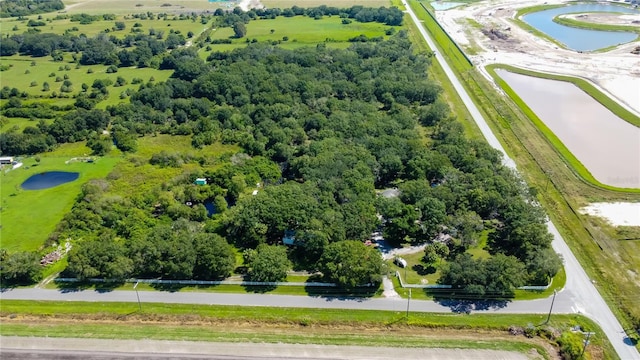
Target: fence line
[(438, 286), (421, 286)]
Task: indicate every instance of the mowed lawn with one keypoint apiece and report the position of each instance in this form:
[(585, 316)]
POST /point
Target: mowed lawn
[(28, 216)]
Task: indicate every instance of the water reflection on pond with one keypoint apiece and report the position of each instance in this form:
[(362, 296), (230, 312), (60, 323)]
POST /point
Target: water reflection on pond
[(606, 145), (49, 179)]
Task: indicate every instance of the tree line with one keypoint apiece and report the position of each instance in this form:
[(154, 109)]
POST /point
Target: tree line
[(10, 8)]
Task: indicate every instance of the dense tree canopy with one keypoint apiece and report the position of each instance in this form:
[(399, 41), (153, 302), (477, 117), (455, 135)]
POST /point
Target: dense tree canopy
[(268, 263), (351, 263), (21, 268), (10, 8), (321, 132)]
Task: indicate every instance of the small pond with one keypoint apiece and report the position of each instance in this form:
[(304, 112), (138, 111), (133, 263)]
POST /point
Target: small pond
[(580, 39), (606, 145), (211, 208), (49, 179), (444, 5)]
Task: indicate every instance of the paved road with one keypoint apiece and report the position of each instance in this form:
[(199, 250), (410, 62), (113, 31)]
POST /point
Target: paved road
[(95, 349), (562, 304), (579, 288)]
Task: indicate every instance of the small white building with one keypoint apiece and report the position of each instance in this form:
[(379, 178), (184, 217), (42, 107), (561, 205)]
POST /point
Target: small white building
[(6, 160)]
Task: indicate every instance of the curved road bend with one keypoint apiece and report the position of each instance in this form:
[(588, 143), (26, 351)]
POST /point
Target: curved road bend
[(579, 288)]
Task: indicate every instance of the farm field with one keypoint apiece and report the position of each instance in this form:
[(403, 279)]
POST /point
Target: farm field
[(26, 228)]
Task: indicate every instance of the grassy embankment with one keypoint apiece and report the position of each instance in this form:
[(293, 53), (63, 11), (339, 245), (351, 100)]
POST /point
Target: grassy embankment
[(563, 20), (600, 248), (294, 325)]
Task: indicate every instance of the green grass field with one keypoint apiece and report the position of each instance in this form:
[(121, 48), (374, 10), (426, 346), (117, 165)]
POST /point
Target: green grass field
[(300, 31), (28, 216)]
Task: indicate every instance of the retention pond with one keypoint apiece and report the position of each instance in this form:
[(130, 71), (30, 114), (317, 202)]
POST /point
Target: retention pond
[(606, 145), (580, 39), (49, 179)]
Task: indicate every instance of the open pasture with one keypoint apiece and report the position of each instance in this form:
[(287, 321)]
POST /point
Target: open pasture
[(155, 6), (313, 3), (14, 26), (299, 31), (26, 76), (28, 216)]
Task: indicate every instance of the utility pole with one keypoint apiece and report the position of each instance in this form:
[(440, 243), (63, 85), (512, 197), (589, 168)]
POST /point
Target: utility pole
[(408, 301), (551, 309), (586, 342), (405, 275), (135, 287)]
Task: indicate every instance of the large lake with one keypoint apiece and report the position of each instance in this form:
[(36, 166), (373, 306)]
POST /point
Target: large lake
[(580, 39), (606, 145)]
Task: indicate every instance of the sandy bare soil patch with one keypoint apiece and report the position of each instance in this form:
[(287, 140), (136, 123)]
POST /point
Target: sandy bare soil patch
[(618, 214)]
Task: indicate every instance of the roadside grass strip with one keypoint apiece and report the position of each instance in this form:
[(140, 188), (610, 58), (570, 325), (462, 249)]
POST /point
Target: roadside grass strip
[(269, 324)]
